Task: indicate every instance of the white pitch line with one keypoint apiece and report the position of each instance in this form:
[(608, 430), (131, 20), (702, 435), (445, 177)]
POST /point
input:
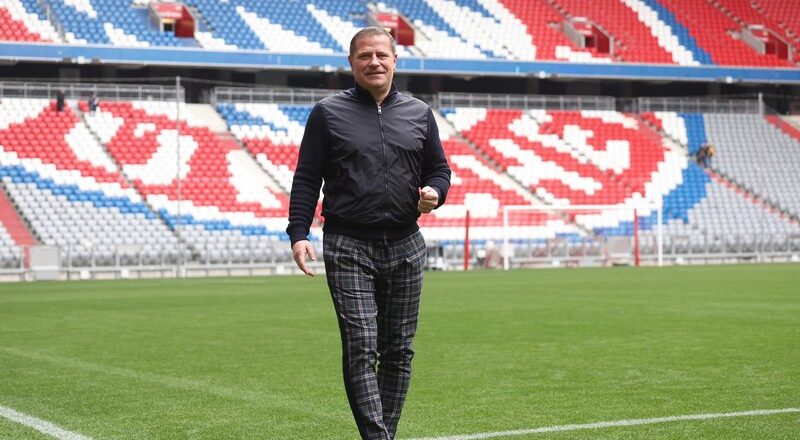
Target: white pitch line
[(40, 425), (598, 425)]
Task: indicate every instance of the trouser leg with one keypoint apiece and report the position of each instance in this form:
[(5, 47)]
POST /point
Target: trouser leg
[(398, 301), (351, 279)]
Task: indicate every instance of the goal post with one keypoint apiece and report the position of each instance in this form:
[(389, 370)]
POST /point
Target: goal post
[(536, 235)]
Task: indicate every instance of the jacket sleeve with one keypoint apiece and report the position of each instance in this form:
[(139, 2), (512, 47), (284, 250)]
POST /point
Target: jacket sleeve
[(435, 170), (308, 175)]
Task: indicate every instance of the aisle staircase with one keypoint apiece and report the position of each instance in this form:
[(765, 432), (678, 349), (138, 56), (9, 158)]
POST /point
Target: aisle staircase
[(14, 224)]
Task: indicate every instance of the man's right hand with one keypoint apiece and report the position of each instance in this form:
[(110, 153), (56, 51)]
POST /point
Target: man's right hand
[(300, 249)]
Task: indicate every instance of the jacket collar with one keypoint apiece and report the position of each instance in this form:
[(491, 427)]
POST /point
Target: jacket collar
[(364, 95)]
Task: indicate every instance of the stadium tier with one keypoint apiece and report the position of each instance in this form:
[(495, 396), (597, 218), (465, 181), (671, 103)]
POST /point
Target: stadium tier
[(611, 158), (24, 21), (272, 133), (640, 34), (102, 185), (111, 22), (68, 189), (13, 235), (566, 157), (223, 207), (744, 138), (776, 15), (680, 32), (713, 27)]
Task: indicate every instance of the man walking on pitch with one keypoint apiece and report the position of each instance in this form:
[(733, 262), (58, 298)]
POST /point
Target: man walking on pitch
[(379, 154)]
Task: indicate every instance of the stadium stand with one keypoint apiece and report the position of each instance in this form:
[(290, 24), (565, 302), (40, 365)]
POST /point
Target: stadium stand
[(784, 15), (9, 250), (272, 133), (683, 32), (14, 30), (784, 124), (774, 15), (437, 38), (543, 23), (284, 25), (69, 190), (569, 158), (741, 141), (14, 235), (477, 187), (671, 34), (13, 225), (70, 174), (113, 23), (634, 37), (714, 30), (227, 210), (226, 30), (550, 152), (719, 213), (342, 19), (497, 33), (96, 183), (20, 22)]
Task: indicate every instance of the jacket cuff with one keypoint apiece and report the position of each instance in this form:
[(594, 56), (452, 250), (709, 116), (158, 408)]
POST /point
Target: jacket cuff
[(296, 233), (439, 192)]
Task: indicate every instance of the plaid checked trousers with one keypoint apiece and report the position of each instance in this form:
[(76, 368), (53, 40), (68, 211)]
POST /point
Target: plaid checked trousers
[(376, 289)]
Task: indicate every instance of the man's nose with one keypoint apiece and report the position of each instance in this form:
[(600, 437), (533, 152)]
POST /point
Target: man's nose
[(374, 61)]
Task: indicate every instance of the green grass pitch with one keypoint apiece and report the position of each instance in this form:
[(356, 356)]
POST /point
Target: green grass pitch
[(259, 358)]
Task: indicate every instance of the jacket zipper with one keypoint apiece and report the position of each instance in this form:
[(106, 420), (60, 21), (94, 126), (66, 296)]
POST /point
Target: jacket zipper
[(385, 175)]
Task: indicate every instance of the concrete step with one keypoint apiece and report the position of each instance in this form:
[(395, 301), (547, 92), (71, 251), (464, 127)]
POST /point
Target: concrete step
[(788, 124), (13, 222), (208, 116)]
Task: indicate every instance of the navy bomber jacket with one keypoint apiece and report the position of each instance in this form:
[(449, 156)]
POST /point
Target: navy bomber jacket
[(373, 160)]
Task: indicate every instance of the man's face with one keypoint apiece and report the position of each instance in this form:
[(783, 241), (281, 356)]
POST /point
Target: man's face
[(373, 63)]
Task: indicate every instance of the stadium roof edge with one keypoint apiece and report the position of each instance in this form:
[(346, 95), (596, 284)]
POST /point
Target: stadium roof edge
[(154, 56)]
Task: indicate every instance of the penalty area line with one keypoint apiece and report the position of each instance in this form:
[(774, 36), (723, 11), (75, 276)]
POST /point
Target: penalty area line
[(40, 425), (613, 424)]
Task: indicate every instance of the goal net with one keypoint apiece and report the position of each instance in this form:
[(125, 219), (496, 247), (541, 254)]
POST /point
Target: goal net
[(582, 235)]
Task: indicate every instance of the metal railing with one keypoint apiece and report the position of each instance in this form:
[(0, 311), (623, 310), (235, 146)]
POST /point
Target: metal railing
[(269, 95), (108, 92), (288, 95), (275, 257), (449, 100), (678, 249), (697, 105)]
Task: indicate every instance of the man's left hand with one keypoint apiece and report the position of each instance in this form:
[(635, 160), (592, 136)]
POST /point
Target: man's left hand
[(428, 200)]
